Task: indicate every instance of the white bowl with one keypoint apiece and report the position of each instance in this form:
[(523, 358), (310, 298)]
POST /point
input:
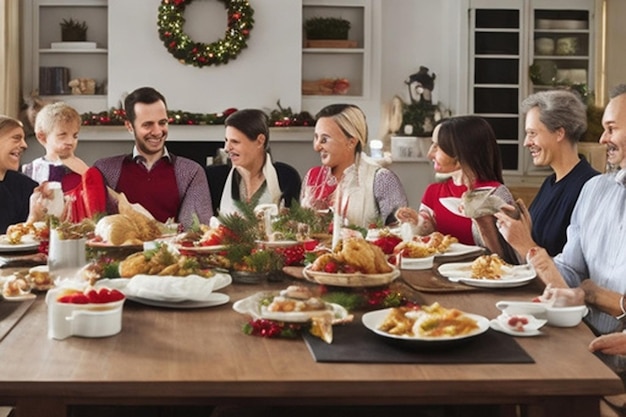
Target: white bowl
[(567, 46), (544, 46), (85, 320), (565, 316)]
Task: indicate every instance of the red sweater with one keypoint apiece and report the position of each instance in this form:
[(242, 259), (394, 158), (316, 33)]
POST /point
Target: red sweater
[(156, 190)]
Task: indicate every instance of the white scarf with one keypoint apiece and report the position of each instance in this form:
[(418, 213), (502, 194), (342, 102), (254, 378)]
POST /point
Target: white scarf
[(271, 195), (356, 195)]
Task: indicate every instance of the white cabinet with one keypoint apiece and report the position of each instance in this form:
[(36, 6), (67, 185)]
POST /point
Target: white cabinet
[(50, 63), (328, 62), (517, 47)]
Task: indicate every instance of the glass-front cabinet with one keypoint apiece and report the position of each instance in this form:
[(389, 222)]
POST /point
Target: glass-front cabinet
[(517, 47)]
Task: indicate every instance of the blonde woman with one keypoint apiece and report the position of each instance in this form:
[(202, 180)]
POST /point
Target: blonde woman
[(348, 181)]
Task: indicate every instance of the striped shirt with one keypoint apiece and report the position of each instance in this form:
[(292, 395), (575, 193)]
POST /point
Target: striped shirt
[(596, 244)]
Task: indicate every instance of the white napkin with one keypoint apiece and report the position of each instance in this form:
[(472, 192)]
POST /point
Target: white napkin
[(170, 288)]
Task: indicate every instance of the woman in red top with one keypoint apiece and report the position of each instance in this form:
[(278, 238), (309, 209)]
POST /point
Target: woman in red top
[(465, 150)]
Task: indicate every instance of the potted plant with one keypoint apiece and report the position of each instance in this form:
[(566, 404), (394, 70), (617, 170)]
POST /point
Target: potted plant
[(328, 32), (73, 30), (317, 28)]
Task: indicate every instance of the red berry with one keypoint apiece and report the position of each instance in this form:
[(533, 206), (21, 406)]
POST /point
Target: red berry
[(116, 295), (65, 299), (79, 298), (93, 296), (330, 267)]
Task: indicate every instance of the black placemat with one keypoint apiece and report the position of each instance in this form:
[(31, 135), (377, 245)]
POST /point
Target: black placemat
[(354, 343)]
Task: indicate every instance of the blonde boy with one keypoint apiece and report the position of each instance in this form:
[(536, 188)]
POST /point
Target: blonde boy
[(56, 128)]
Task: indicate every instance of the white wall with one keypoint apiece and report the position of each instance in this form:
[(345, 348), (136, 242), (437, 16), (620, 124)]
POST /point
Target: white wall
[(264, 72), (420, 33), (408, 33)]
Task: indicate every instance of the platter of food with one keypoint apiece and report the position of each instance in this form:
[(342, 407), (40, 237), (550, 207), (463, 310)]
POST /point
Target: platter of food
[(296, 304), (191, 291), (488, 271), (428, 326), (16, 287), (26, 242), (356, 279)]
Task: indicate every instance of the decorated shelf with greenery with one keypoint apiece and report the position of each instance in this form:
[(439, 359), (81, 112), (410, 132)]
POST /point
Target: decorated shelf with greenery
[(73, 30), (328, 32)]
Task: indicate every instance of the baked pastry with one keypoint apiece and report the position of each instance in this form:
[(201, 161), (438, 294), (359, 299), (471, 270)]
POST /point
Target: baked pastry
[(129, 227)]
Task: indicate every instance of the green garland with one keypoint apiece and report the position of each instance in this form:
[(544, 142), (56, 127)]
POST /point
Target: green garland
[(277, 118), (171, 22)]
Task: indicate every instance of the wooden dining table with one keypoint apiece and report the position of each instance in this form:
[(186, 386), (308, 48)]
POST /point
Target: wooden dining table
[(168, 356)]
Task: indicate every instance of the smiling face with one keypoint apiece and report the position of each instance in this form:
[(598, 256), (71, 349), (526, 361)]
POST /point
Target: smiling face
[(12, 146), (150, 128), (336, 149), (541, 143), (61, 142), (442, 162), (242, 151), (614, 135)]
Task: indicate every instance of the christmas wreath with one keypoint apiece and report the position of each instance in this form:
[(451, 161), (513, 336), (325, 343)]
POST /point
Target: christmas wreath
[(171, 22)]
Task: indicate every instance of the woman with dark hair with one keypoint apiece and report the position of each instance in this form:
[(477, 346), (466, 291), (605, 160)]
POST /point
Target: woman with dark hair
[(465, 149), (348, 181), (251, 175)]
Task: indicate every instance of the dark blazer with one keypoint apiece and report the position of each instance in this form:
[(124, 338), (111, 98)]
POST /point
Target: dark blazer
[(288, 180)]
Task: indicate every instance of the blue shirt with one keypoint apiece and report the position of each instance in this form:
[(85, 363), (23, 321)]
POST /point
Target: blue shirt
[(596, 244), (552, 208)]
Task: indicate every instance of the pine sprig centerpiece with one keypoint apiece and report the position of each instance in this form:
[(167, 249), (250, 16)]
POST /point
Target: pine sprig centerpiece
[(241, 242), (298, 223)]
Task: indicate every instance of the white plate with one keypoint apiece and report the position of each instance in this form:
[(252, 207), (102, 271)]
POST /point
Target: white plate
[(417, 263), (374, 319), (106, 245), (513, 276), (28, 242), (200, 249), (252, 306), (459, 249), (350, 280), (222, 280), (495, 325), (22, 297), (453, 204), (215, 299), (533, 324), (277, 243)]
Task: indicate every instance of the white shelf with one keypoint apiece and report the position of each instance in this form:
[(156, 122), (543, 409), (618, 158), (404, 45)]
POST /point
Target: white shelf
[(42, 29), (333, 50), (353, 64), (74, 51)]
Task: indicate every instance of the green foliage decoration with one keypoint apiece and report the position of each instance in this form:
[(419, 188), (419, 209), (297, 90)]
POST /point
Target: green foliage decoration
[(171, 24), (318, 28)]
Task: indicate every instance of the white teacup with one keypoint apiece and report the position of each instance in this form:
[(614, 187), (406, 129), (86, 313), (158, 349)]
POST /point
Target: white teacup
[(65, 256)]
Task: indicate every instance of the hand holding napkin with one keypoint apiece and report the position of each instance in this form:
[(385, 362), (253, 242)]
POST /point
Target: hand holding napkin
[(170, 288)]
